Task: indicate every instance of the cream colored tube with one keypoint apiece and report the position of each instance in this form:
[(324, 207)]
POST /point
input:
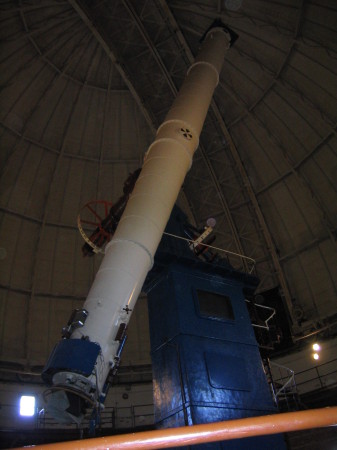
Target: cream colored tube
[(129, 256)]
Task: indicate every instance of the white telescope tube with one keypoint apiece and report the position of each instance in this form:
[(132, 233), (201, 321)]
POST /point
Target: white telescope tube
[(129, 256)]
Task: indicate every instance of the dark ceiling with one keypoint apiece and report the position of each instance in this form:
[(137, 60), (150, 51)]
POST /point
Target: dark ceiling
[(85, 84)]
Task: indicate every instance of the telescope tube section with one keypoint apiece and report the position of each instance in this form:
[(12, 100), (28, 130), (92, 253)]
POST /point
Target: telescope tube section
[(78, 369)]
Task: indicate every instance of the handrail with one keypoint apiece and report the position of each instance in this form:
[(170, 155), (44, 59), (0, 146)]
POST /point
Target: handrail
[(109, 417), (249, 260), (286, 384), (272, 314), (316, 366), (211, 432), (316, 369), (286, 380), (320, 378)]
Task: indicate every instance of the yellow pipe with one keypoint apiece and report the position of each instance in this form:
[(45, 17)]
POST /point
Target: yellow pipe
[(210, 432)]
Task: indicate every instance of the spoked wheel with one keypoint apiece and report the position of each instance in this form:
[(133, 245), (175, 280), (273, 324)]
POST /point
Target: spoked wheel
[(95, 225)]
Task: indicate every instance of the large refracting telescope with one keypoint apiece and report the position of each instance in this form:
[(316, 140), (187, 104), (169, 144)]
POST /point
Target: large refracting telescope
[(78, 369)]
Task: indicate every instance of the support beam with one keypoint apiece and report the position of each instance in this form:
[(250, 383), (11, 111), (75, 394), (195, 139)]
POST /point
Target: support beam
[(84, 16), (249, 189)]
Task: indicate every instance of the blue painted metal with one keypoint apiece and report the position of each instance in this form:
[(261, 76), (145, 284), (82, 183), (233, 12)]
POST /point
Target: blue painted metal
[(175, 250), (74, 355), (206, 364)]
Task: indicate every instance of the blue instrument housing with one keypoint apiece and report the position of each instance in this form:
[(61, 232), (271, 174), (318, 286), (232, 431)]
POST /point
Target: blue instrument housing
[(206, 362), (71, 355)]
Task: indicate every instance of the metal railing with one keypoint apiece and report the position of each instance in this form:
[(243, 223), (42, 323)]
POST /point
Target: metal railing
[(284, 387), (317, 377), (117, 418), (268, 310), (205, 433), (239, 262), (288, 385)]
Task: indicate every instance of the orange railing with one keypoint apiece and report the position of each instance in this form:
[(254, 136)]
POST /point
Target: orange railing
[(211, 432)]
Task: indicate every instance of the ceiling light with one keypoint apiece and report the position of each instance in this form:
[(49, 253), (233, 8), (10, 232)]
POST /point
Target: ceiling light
[(315, 356), (316, 347), (211, 222)]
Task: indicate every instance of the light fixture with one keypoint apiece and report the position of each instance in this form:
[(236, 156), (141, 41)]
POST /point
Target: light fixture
[(27, 405), (316, 348), (211, 222)]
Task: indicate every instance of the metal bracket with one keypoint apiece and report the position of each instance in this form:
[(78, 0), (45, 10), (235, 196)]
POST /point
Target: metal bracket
[(77, 320)]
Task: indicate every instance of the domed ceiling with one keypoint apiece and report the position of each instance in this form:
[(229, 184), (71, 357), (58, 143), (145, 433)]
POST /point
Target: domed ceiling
[(85, 84)]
